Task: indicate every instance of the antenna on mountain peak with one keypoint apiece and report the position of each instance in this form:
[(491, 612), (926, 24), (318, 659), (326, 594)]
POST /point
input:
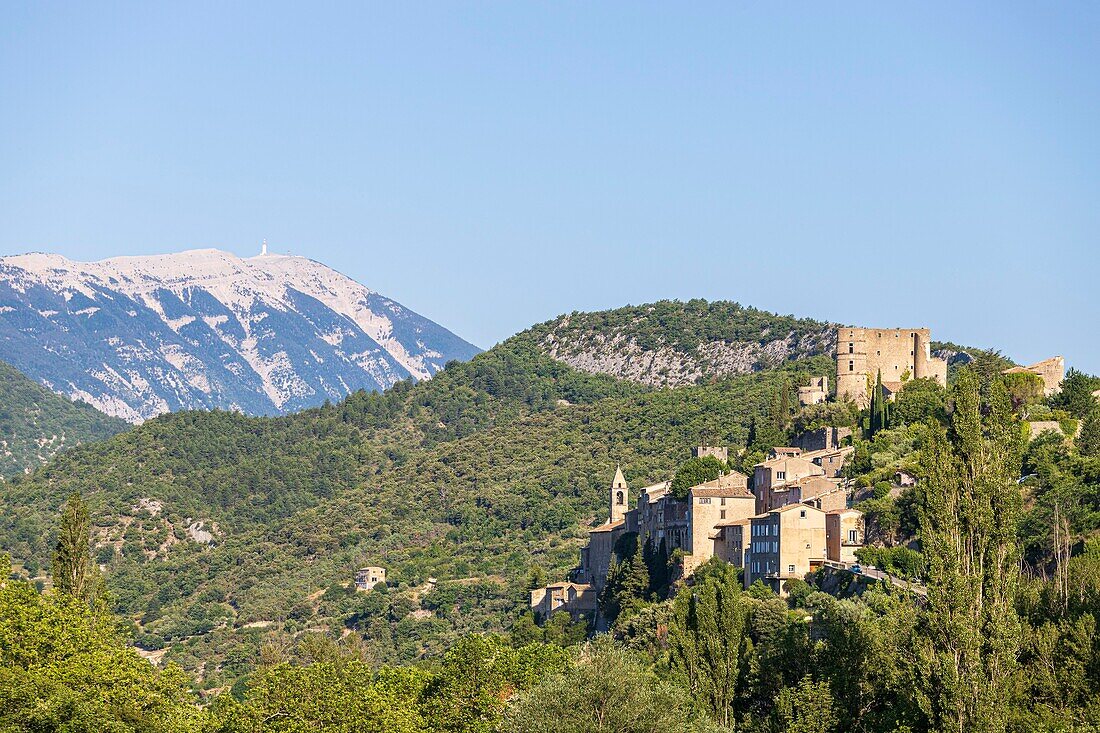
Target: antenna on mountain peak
[(263, 248)]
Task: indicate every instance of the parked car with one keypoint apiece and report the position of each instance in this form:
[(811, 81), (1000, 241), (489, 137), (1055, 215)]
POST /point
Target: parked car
[(856, 569)]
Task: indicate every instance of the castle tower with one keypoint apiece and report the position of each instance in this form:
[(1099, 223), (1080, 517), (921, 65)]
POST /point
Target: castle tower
[(899, 354), (618, 497)]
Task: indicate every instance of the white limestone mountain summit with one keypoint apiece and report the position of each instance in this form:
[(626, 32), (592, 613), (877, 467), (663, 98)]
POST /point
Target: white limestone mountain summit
[(203, 329)]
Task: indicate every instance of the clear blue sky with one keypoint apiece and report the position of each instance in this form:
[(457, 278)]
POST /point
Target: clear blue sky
[(492, 165)]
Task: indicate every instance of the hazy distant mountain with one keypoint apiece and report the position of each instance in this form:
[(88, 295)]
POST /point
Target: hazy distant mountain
[(139, 336)]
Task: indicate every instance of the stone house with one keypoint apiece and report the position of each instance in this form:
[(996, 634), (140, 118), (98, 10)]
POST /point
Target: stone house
[(816, 392), (368, 577), (1052, 371), (731, 540), (784, 544), (596, 555), (774, 473), (576, 599), (830, 461), (843, 534), (724, 499)]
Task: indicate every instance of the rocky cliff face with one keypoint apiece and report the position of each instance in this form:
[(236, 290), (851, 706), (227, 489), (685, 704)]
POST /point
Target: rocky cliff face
[(671, 344), (139, 336)]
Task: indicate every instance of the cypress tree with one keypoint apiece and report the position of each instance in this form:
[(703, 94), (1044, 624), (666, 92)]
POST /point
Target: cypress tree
[(709, 641), (1088, 442), (635, 579)]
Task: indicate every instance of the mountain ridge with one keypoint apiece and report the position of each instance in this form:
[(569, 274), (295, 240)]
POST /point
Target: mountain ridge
[(137, 336)]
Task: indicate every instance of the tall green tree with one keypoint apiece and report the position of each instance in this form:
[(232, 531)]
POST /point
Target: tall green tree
[(695, 471), (73, 569), (880, 407), (971, 633), (1075, 395), (709, 640), (1088, 442), (806, 708)]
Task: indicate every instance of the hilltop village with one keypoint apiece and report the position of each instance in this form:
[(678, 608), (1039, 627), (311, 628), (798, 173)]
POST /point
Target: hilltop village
[(794, 514)]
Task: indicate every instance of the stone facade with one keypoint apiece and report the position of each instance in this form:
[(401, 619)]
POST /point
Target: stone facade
[(722, 453), (898, 354), (724, 499), (732, 541), (831, 461), (573, 598), (843, 534), (815, 490), (825, 438), (775, 473), (785, 544), (618, 497), (671, 524)]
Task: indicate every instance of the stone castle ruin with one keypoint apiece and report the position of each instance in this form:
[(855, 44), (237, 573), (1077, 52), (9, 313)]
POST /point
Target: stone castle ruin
[(898, 354)]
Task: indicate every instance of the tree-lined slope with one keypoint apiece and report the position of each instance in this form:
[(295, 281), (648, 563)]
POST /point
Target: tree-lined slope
[(218, 530), (35, 423)]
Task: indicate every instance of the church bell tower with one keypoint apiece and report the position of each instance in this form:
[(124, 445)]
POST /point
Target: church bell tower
[(618, 497)]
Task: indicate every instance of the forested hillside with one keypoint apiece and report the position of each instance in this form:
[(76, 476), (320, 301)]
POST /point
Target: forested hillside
[(218, 531), (35, 423), (672, 343)]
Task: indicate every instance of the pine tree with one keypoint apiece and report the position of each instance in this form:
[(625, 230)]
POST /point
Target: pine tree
[(968, 653), (74, 570)]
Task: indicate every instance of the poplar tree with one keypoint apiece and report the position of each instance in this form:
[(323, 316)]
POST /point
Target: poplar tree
[(967, 655), (709, 641), (73, 569)]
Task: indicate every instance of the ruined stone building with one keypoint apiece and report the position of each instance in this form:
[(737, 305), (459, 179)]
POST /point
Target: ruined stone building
[(898, 354), (1052, 371), (576, 599), (816, 392), (825, 438)]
